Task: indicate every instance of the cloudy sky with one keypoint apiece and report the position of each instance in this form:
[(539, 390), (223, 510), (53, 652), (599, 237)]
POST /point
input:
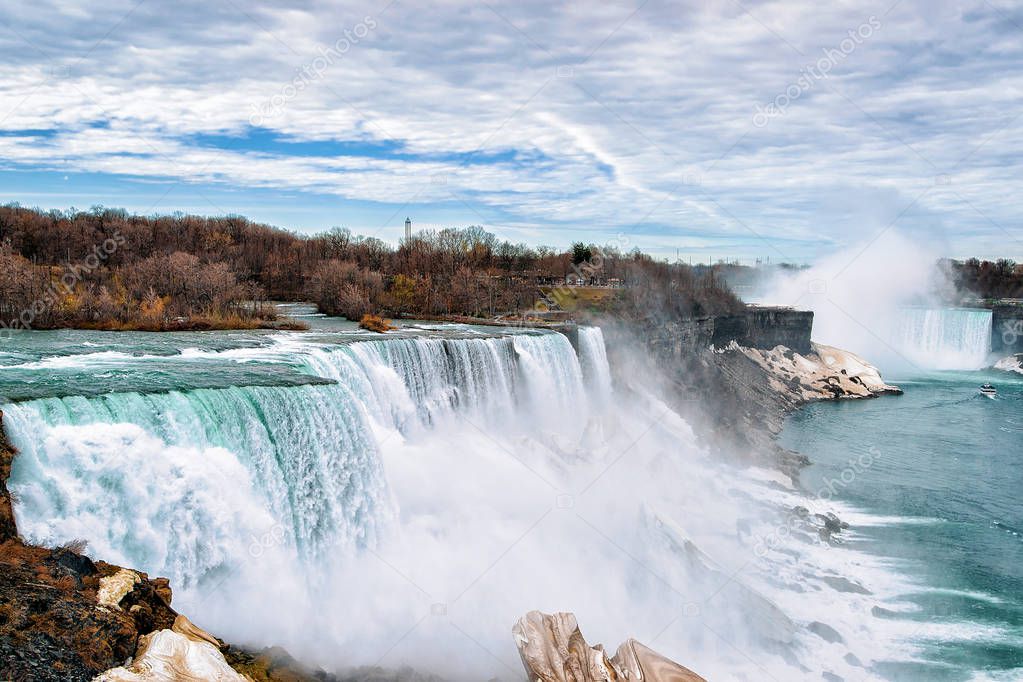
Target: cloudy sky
[(781, 130)]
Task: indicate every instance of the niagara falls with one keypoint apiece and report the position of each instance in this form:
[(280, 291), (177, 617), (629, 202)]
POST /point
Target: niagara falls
[(631, 341)]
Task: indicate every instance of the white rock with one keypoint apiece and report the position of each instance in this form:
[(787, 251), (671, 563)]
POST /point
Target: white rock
[(1012, 363), (113, 588), (825, 374), (554, 650), (185, 653)]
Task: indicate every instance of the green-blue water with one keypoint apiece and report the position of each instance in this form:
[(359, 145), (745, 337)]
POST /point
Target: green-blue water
[(943, 482)]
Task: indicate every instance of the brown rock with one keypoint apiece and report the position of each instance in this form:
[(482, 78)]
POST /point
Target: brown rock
[(8, 530)]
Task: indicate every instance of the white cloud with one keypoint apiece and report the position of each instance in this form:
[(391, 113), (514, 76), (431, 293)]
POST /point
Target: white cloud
[(651, 117)]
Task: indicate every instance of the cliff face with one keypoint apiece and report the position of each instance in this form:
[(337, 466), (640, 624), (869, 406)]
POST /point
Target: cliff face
[(765, 328)]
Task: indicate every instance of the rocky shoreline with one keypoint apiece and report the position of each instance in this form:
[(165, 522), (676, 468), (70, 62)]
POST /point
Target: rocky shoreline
[(1011, 363)]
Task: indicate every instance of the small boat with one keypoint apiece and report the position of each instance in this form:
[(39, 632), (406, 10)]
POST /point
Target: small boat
[(988, 390)]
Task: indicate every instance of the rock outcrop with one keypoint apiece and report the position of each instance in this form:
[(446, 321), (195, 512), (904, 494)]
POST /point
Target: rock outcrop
[(1012, 363), (825, 373), (554, 650), (181, 652), (53, 625)]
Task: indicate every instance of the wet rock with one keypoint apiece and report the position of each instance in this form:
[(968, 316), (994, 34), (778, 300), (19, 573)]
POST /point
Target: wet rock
[(844, 584), (832, 523), (825, 632)]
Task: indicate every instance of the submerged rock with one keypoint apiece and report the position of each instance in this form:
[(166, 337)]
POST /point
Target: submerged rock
[(553, 649), (825, 632)]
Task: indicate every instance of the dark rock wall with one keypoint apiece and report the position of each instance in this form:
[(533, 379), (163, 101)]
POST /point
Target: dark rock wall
[(762, 328), (728, 398), (765, 328)]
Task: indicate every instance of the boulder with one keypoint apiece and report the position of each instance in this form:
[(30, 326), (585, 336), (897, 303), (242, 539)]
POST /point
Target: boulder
[(553, 649), (183, 652), (1011, 363)]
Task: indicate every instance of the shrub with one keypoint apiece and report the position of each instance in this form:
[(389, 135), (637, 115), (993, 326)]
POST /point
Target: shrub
[(375, 323)]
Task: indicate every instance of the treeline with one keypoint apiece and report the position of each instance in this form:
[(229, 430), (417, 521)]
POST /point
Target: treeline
[(986, 279), (107, 268)]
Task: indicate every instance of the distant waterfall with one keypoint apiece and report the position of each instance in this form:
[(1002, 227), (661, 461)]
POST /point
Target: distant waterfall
[(944, 338)]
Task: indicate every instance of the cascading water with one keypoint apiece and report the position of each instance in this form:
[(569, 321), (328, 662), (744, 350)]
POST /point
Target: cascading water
[(944, 338), (442, 485), (593, 358), (158, 460)]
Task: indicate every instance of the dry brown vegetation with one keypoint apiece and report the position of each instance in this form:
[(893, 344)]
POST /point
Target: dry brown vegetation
[(375, 323), (107, 269)]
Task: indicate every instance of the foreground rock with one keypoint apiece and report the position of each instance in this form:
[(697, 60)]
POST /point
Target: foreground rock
[(554, 650), (182, 652)]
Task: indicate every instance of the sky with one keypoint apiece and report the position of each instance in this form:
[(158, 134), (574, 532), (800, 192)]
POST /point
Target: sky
[(781, 131)]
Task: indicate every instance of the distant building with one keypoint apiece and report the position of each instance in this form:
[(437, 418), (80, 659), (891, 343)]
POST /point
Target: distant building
[(408, 229)]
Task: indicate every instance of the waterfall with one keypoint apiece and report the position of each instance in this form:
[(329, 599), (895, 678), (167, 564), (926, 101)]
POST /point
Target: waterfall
[(944, 338), (301, 454), (440, 484), (593, 358), (302, 461)]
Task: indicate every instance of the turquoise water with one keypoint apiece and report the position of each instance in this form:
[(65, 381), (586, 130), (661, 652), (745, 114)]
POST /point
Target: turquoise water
[(933, 480)]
